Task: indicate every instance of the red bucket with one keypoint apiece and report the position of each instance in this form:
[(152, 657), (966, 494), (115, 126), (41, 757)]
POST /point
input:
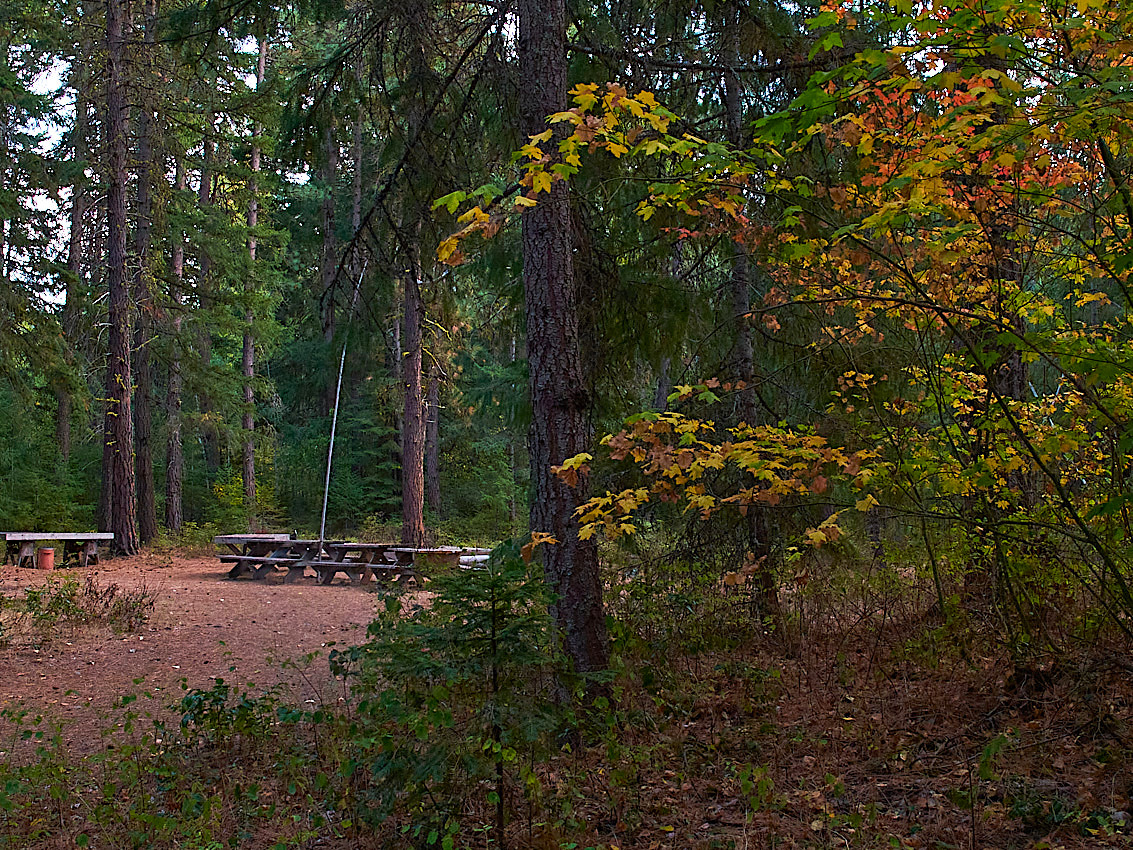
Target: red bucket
[(45, 559)]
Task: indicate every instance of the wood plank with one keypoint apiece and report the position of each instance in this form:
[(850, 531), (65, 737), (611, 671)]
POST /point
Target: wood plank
[(18, 536), (237, 539), (256, 559)]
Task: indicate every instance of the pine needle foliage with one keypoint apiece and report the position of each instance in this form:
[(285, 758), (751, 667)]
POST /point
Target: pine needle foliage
[(456, 702)]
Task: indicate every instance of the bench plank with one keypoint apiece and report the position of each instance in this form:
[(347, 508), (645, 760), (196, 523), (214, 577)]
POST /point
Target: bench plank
[(24, 536)]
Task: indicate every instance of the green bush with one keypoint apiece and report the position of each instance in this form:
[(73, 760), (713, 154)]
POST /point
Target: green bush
[(455, 703)]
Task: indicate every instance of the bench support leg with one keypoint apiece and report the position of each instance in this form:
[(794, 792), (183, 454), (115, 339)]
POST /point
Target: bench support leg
[(238, 569)]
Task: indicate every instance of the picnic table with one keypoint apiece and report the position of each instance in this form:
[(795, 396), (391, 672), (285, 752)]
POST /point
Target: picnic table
[(258, 555), (81, 546)]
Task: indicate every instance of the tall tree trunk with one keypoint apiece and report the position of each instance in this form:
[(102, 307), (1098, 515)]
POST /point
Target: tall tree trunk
[(328, 256), (413, 413), (397, 371), (512, 502), (210, 434), (433, 440), (249, 354), (175, 456), (356, 198), (559, 399), (120, 505), (743, 352), (80, 202), (143, 297)]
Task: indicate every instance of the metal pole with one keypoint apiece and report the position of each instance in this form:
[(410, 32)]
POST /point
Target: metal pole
[(330, 450), (334, 418)]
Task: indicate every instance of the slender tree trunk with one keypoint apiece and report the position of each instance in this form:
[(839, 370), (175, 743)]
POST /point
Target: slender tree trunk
[(120, 515), (328, 256), (433, 441), (80, 202), (513, 501), (210, 434), (559, 399), (413, 414), (143, 297), (249, 358), (175, 457), (397, 370), (356, 197)]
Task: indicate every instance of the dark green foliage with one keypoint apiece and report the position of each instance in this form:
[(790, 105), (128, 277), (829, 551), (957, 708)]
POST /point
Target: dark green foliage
[(34, 495), (453, 695)]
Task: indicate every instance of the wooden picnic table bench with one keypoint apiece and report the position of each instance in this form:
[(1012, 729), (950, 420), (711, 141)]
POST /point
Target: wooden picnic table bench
[(255, 553), (20, 546), (259, 555)]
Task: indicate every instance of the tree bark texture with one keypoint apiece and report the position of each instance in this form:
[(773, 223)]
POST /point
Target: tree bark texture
[(143, 297), (120, 516), (80, 203), (742, 365), (210, 433), (248, 360), (175, 457), (413, 413), (559, 399), (328, 256), (433, 440)]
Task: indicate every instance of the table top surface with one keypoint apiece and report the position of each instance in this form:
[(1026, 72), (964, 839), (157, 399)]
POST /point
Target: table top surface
[(56, 535), (252, 538), (440, 550)]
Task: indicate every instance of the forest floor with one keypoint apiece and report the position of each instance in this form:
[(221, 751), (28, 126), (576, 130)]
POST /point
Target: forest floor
[(202, 627), (859, 737)]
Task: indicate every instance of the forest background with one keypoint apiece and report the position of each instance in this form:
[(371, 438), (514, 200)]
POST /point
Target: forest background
[(846, 284)]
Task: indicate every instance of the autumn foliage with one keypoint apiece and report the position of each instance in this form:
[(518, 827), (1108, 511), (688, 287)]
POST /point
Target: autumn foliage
[(956, 201)]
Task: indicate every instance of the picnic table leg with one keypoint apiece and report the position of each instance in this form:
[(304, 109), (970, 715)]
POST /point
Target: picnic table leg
[(240, 567)]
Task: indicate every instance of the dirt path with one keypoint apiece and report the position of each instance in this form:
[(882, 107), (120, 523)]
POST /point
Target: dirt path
[(203, 626)]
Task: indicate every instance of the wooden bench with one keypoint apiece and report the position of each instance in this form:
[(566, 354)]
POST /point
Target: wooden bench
[(257, 555), (247, 552), (20, 546)]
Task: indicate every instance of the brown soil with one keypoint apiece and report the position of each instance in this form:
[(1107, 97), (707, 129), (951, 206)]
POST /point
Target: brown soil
[(203, 626)]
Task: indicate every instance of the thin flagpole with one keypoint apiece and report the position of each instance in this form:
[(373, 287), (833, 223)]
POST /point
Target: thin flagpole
[(334, 418)]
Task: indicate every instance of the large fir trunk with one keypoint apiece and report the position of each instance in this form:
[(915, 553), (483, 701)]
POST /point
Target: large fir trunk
[(175, 457), (413, 412), (742, 367), (559, 399), (119, 499), (143, 296)]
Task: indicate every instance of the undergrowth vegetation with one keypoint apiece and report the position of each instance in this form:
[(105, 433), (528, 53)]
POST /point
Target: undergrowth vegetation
[(859, 714), (60, 605)]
